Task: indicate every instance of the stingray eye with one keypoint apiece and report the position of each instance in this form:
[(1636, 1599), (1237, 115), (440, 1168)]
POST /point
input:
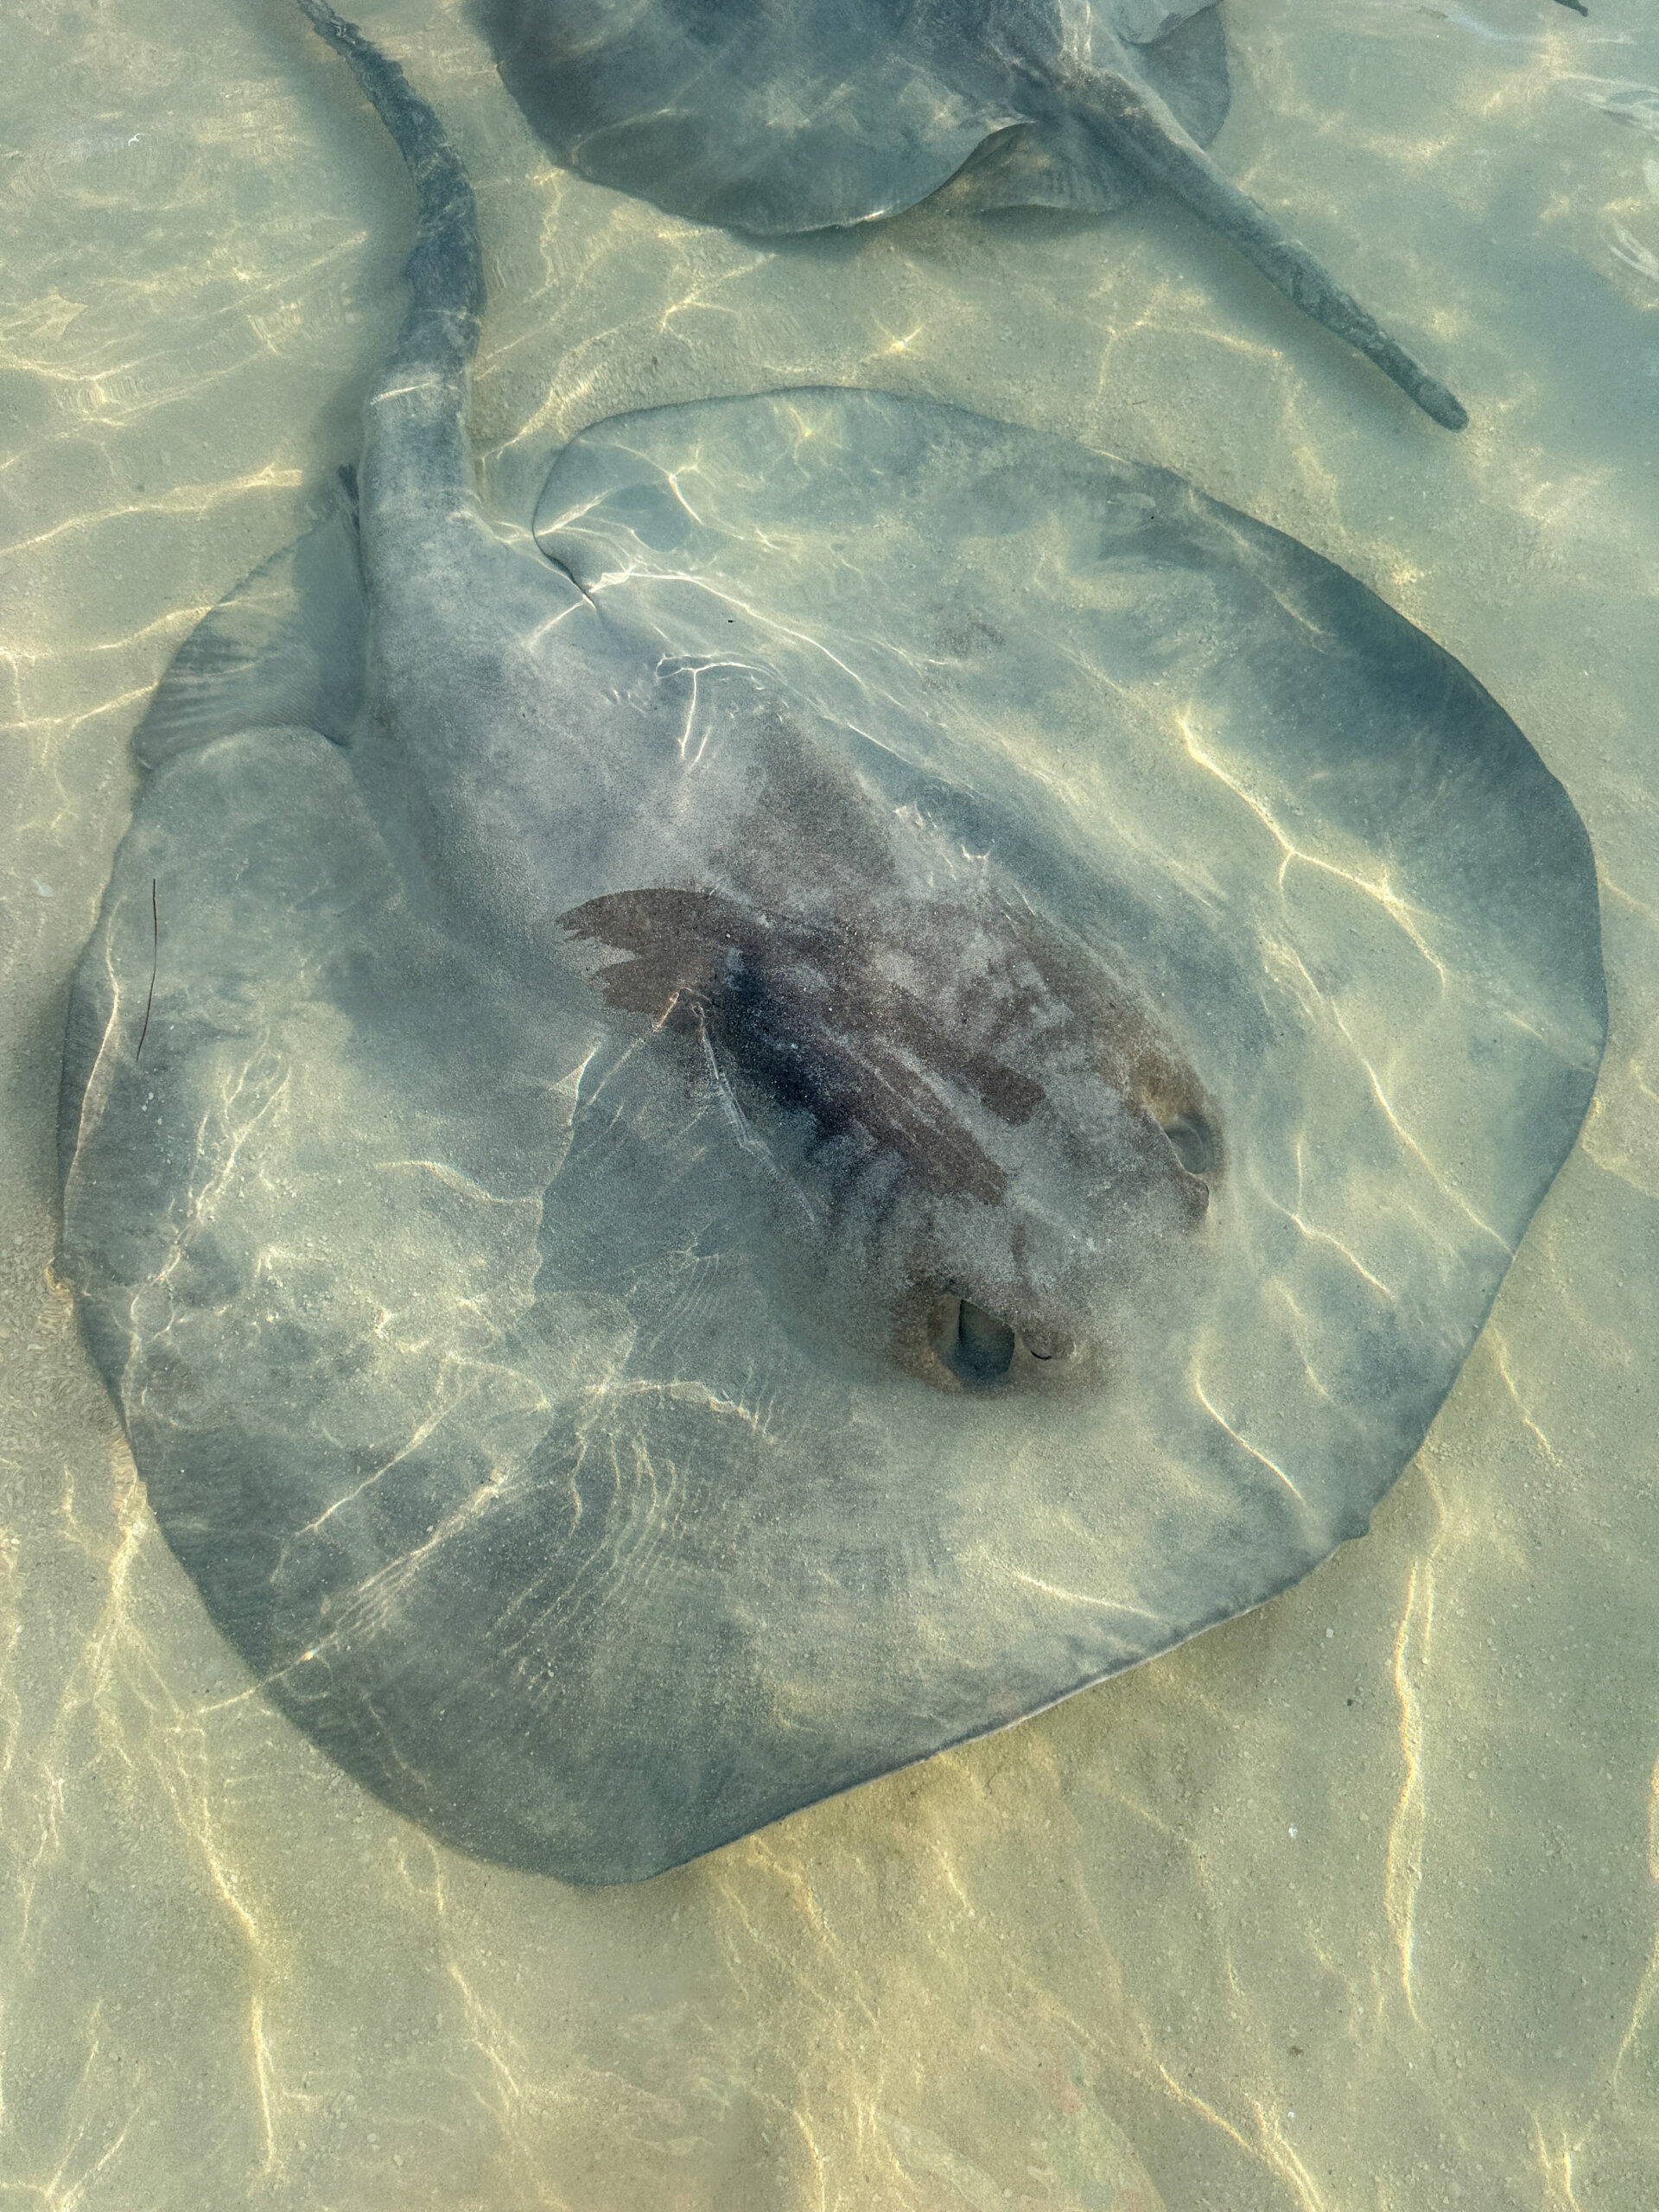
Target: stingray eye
[(982, 1351), (979, 1349), (1193, 1143)]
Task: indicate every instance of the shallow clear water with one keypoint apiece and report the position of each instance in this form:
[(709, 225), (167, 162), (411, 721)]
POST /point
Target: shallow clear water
[(1351, 1902)]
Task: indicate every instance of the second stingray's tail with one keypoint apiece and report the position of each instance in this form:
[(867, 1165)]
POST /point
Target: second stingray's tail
[(417, 441), (1139, 129)]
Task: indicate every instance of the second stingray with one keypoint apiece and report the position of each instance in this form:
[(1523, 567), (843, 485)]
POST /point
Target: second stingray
[(777, 119)]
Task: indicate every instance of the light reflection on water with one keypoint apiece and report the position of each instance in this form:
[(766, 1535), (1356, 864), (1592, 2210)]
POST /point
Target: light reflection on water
[(1350, 1901)]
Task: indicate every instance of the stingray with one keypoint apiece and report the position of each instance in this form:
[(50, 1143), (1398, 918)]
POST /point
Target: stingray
[(862, 1072), (815, 114)]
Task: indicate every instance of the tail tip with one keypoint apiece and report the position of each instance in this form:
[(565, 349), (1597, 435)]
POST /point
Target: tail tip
[(1440, 405)]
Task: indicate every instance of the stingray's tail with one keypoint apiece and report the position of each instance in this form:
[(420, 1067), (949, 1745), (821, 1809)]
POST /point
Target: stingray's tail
[(416, 446), (1138, 125)]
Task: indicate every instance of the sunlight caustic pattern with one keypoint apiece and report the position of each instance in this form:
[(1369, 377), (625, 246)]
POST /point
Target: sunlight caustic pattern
[(1408, 1828)]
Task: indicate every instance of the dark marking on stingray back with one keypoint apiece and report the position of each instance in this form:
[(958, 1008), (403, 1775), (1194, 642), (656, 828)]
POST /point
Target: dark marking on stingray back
[(808, 1014)]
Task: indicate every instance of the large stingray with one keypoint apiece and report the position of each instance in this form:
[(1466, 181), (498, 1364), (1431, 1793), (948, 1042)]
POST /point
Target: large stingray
[(779, 115), (888, 1073)]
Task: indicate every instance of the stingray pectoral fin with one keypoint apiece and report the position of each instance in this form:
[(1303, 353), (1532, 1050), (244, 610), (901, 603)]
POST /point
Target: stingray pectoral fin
[(285, 650), (1139, 129)]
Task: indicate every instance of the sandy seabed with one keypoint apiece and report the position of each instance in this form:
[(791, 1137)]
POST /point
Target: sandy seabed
[(1349, 1904)]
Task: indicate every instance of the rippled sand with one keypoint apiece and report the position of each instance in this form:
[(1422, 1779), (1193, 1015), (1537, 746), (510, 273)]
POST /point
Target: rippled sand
[(1350, 1903)]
